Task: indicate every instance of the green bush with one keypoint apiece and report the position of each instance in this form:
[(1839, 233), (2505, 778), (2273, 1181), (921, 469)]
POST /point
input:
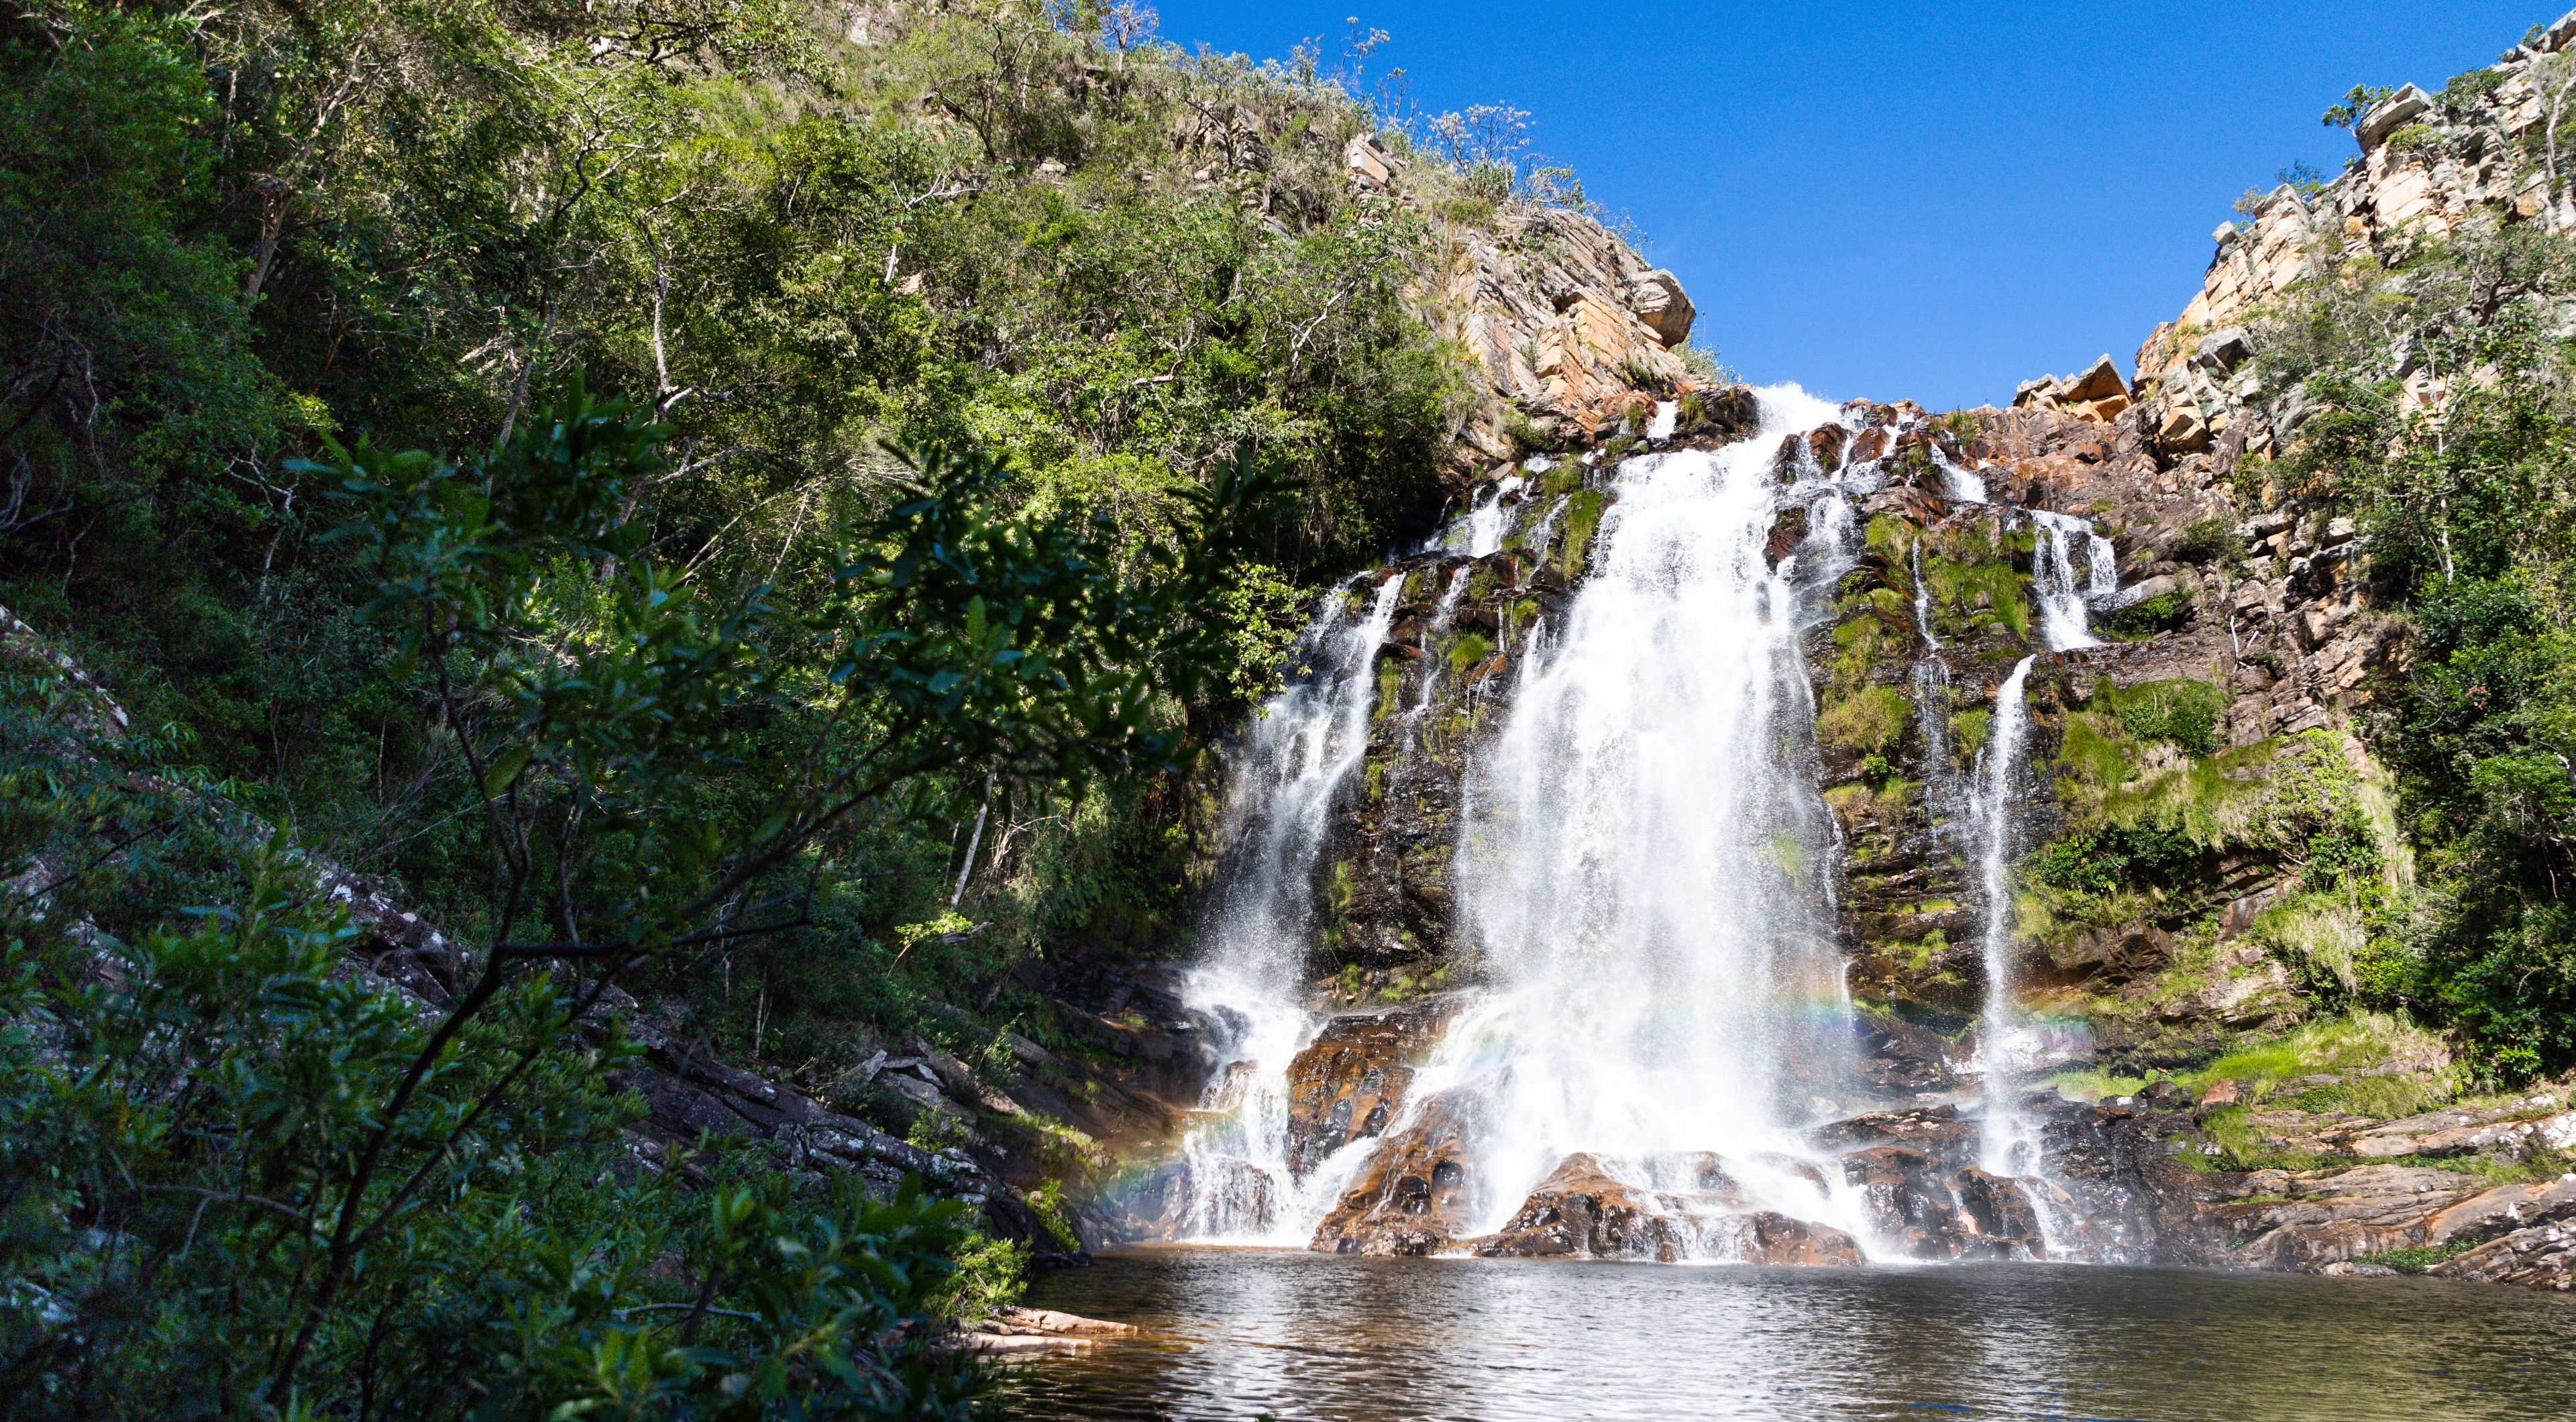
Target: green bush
[(1869, 720), (2183, 711), (2120, 857), (2208, 540), (2417, 1258), (2161, 613)]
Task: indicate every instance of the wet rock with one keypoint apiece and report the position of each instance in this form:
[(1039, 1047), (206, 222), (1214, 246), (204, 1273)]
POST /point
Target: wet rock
[(1768, 1237), (1905, 1194), (1582, 1210), (1351, 1080), (1414, 1193), (1998, 1206), (1903, 1056), (1788, 530), (1936, 1132)]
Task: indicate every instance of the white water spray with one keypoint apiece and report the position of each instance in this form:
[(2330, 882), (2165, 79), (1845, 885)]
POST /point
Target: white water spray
[(1288, 770), (2061, 594), (2006, 1146), (1643, 856)]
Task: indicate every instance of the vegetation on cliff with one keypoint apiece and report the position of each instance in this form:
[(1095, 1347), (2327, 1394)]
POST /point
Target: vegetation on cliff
[(2443, 424), (713, 689)]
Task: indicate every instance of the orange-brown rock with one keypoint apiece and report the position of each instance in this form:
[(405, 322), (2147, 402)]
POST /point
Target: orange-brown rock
[(1769, 1237), (1412, 1195), (1350, 1081), (1583, 1211)]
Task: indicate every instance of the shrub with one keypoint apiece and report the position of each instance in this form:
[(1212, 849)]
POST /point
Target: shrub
[(1869, 720), (2209, 540), (2118, 857), (1469, 652), (2411, 137), (2183, 711), (2161, 613), (2416, 1258)]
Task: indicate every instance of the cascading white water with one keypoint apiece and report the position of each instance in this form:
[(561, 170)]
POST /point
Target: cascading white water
[(1643, 855), (2061, 596), (1486, 525), (1440, 615), (1643, 875), (1287, 770), (2005, 1146), (1923, 601)]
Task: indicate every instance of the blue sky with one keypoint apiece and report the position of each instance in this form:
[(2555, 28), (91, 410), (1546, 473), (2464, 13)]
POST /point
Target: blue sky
[(1934, 201)]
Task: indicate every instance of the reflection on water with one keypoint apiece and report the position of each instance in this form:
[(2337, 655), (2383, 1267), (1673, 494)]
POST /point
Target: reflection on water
[(1241, 1333)]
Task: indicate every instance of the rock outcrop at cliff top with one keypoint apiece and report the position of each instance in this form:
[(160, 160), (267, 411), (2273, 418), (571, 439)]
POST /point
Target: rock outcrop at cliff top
[(1562, 316), (2462, 155)]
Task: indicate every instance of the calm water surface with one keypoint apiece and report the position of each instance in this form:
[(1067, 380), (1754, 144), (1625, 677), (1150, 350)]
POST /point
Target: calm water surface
[(1241, 1333)]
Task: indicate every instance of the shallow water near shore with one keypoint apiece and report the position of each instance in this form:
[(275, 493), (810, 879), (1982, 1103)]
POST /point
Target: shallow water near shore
[(1239, 1333)]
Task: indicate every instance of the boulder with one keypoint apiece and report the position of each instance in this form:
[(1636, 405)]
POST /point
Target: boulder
[(1350, 1081), (2098, 382), (1659, 301), (1695, 1211), (2182, 428), (1415, 1192), (1768, 1237), (1368, 163), (1998, 1207), (1908, 1201), (1936, 1131), (2391, 114), (2223, 350)]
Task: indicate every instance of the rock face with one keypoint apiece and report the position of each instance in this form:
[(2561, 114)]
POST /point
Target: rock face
[(1351, 1080), (1414, 1193), (2461, 155), (1564, 319)]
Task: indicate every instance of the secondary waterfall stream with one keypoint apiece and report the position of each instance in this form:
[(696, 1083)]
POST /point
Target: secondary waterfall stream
[(1643, 864)]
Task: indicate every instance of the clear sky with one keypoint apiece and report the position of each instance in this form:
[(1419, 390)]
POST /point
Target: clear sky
[(1933, 200)]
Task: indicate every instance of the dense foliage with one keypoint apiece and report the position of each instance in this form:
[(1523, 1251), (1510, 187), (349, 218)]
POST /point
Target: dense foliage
[(996, 382), (2438, 414), (1035, 232)]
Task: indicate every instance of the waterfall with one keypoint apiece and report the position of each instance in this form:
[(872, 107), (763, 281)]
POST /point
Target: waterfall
[(1288, 768), (2061, 597), (1923, 600), (1643, 854), (1643, 873), (1486, 525), (1440, 615), (2005, 1144)]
